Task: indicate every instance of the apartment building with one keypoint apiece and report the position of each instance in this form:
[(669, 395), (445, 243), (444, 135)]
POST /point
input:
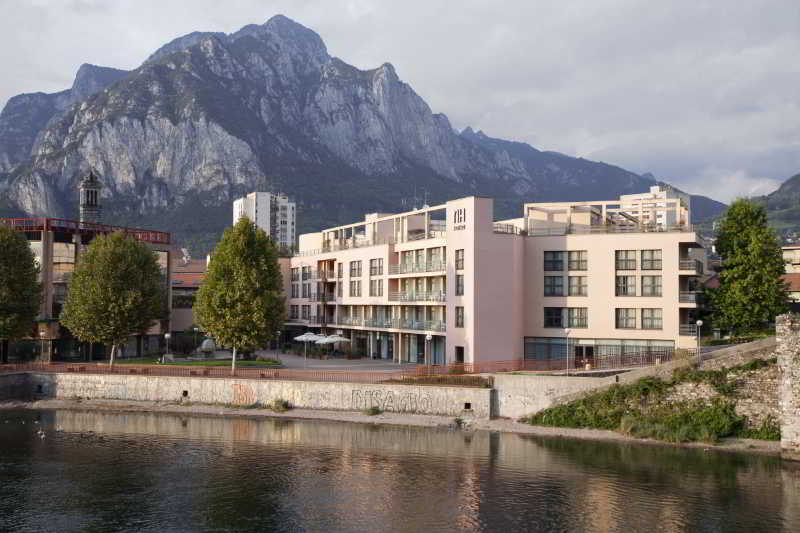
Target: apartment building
[(274, 213), (447, 284)]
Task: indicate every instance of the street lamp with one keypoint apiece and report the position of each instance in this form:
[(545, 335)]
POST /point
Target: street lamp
[(428, 356), (167, 336), (699, 325)]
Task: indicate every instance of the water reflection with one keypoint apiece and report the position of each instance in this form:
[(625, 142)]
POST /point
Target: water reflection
[(148, 472)]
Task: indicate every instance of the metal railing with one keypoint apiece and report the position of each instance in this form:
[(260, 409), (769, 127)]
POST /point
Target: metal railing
[(691, 264), (60, 224), (433, 296), (508, 229), (689, 297), (420, 235), (415, 268), (687, 330), (345, 245), (610, 228), (393, 323), (323, 297)]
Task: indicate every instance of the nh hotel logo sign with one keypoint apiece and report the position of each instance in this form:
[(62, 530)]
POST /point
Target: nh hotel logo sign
[(460, 219)]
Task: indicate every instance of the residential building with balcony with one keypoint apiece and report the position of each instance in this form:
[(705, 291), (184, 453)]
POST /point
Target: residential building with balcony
[(274, 213), (448, 284)]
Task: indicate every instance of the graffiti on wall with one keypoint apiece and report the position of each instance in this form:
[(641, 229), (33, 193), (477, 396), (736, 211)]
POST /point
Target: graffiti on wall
[(388, 400)]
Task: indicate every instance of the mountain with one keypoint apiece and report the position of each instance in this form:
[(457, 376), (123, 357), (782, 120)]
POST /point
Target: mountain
[(25, 115), (210, 116), (783, 208)]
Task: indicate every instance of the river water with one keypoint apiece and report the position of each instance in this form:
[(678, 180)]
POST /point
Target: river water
[(134, 472)]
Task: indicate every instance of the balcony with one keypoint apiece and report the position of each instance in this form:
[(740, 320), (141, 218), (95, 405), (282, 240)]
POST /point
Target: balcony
[(349, 321), (323, 275), (689, 297), (687, 330), (417, 268), (393, 323), (436, 296), (323, 297), (692, 265)]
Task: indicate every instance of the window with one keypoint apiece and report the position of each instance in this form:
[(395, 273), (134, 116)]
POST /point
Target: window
[(578, 286), (305, 310), (626, 318), (626, 285), (355, 269), (554, 286), (306, 273), (376, 287), (651, 318), (651, 285), (355, 288), (459, 354), (578, 260), (651, 259), (459, 259), (626, 259), (554, 317), (293, 312), (459, 317), (295, 274), (459, 284), (376, 267), (339, 289), (553, 261), (340, 270), (306, 289), (295, 290), (578, 317)]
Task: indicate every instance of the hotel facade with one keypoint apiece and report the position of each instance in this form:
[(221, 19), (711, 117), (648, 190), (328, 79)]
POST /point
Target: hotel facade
[(447, 284)]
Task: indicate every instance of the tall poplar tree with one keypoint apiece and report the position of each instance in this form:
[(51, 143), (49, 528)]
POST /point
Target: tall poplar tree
[(20, 290), (751, 292), (117, 290), (241, 302)]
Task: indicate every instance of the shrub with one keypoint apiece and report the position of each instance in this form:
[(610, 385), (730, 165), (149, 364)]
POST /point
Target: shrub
[(769, 429), (280, 405), (372, 411)]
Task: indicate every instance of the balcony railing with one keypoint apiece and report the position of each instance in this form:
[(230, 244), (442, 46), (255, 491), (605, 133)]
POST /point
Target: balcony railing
[(434, 296), (345, 245), (509, 229), (322, 297), (533, 230), (687, 330), (323, 274), (415, 268), (689, 297), (393, 323), (691, 264)]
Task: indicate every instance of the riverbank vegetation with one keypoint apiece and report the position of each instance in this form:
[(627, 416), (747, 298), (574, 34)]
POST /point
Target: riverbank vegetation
[(648, 408)]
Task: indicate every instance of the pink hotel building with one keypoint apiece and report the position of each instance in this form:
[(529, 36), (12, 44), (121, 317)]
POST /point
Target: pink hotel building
[(448, 284)]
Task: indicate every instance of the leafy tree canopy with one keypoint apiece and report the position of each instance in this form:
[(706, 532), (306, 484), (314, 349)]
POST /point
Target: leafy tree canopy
[(20, 290), (751, 292), (117, 290), (241, 303)]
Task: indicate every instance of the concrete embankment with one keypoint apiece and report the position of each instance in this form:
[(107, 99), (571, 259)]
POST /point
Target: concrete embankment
[(464, 402)]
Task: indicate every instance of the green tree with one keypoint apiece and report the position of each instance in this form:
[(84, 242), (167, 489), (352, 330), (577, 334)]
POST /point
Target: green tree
[(20, 290), (751, 292), (117, 290), (241, 303)]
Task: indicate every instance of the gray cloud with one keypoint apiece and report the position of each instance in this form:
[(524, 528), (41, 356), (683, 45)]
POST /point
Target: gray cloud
[(702, 94)]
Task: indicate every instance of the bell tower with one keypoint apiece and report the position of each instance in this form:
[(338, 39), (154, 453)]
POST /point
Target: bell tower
[(90, 198)]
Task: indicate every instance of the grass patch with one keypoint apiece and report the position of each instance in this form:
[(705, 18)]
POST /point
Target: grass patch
[(280, 405), (640, 409), (769, 429), (261, 362), (372, 411), (445, 379)]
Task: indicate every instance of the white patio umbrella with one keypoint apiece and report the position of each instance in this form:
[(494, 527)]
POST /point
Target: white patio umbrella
[(306, 338)]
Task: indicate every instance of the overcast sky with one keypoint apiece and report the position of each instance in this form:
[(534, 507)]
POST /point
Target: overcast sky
[(703, 94)]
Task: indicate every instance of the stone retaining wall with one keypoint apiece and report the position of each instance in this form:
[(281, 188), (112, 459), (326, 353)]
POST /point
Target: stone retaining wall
[(432, 400), (14, 387), (788, 352)]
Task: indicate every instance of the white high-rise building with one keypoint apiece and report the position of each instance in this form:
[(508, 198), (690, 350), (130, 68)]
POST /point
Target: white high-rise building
[(274, 213)]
